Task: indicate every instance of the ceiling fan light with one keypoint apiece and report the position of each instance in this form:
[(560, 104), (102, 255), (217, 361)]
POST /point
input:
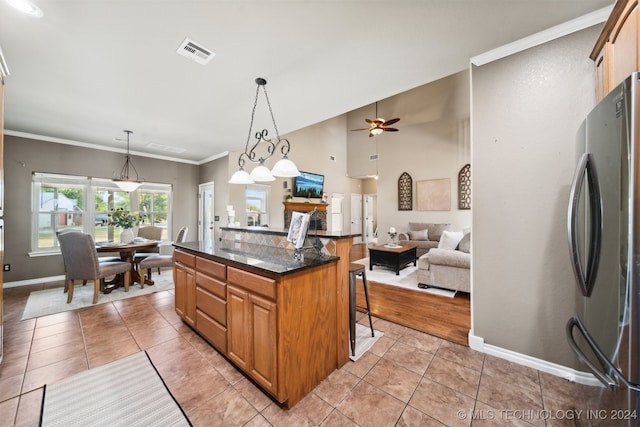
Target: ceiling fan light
[(261, 174), (285, 168), (241, 177), (375, 131)]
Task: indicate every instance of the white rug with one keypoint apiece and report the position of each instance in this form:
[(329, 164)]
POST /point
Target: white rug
[(126, 392), (407, 279), (54, 300), (364, 340)]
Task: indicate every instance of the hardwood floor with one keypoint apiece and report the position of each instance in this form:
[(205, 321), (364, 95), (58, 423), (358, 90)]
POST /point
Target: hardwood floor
[(447, 318)]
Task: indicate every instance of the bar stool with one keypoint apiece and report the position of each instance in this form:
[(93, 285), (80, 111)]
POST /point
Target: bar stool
[(356, 270)]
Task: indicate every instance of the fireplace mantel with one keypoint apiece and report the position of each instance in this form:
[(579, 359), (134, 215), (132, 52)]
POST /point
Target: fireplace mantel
[(304, 206)]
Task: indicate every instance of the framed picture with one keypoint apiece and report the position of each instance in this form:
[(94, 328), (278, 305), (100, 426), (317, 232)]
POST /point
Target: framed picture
[(434, 195)]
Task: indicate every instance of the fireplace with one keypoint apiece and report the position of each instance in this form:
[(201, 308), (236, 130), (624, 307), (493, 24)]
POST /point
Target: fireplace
[(319, 219)]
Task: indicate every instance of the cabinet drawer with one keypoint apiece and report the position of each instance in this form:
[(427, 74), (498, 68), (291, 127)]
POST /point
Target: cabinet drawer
[(212, 268), (212, 285), (257, 284), (211, 305), (185, 258), (214, 332)]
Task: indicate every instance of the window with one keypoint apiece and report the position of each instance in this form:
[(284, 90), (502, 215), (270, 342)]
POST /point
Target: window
[(257, 201), (81, 203)]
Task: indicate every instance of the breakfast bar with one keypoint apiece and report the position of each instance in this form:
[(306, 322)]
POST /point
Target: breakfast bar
[(278, 314)]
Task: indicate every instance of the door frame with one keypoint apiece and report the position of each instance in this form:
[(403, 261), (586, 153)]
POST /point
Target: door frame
[(202, 191)]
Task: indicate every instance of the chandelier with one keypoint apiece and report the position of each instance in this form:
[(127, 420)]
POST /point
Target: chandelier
[(124, 181), (283, 168)]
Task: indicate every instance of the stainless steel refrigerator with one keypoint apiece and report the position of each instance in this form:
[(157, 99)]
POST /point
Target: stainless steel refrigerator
[(604, 244)]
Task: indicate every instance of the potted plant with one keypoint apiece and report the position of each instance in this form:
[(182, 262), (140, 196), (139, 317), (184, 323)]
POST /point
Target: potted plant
[(125, 220)]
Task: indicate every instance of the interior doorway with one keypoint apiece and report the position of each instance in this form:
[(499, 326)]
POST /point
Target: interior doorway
[(206, 224), (337, 212), (370, 218), (356, 216)]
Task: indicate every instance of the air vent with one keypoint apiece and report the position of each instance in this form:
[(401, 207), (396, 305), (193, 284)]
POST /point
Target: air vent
[(195, 52), (373, 157)]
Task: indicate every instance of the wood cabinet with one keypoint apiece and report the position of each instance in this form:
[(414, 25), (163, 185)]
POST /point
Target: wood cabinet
[(616, 53), (185, 286), (252, 330), (281, 330), (211, 302)]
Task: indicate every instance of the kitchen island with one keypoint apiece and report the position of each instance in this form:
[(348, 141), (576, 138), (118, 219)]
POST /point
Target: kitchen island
[(280, 318)]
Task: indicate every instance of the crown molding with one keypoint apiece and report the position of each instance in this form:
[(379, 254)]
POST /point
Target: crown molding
[(596, 17)]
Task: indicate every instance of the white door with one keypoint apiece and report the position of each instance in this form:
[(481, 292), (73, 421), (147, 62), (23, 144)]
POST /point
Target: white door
[(206, 225), (370, 222), (356, 216), (337, 211)]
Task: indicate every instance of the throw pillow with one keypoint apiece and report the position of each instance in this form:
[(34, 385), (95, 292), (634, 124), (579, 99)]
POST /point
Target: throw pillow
[(465, 243), (419, 235), (450, 239)]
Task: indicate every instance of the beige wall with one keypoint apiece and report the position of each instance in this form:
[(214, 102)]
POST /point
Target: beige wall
[(432, 143), (23, 156), (526, 110)]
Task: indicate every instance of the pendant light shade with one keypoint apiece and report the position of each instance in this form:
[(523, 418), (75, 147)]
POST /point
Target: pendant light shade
[(283, 168), (124, 182)]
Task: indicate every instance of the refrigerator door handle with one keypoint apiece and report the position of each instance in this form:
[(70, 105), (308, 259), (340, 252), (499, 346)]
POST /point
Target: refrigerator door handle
[(587, 168), (604, 378)]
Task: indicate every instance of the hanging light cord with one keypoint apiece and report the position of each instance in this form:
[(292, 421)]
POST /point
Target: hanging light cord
[(250, 154), (124, 173)]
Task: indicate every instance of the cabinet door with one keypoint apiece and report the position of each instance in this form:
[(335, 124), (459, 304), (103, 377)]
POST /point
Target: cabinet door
[(238, 327), (263, 341), (624, 45), (185, 293), (251, 332)]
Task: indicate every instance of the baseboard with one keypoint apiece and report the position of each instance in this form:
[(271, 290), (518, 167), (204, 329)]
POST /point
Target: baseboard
[(580, 377), (36, 281)]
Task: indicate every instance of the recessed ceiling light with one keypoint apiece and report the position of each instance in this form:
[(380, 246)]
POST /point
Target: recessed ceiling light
[(26, 7)]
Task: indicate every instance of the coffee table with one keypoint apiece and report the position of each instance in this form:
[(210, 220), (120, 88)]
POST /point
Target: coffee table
[(394, 257)]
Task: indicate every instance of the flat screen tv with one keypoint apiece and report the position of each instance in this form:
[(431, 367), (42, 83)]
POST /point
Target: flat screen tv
[(309, 185)]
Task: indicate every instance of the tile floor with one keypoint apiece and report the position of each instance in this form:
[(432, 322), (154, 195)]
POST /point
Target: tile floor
[(407, 379)]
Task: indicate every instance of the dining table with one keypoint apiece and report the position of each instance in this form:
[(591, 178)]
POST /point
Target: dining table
[(127, 252)]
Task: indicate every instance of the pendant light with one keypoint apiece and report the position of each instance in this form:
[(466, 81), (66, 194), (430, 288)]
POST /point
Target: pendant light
[(283, 168), (124, 181)]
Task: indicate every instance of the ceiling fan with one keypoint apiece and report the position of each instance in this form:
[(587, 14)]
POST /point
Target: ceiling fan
[(378, 125)]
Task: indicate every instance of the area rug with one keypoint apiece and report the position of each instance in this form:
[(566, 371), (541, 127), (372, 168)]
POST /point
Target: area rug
[(364, 340), (126, 392), (407, 279), (54, 300)]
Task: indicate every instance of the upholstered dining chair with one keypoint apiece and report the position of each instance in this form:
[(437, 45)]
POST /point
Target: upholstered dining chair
[(150, 232), (159, 261), (81, 263)]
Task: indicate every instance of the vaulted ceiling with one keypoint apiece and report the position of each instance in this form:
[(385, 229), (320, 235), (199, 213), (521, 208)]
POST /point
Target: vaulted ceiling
[(87, 70)]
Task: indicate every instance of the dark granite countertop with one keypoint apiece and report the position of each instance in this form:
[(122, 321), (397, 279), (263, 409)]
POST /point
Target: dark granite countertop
[(273, 260), (284, 231)]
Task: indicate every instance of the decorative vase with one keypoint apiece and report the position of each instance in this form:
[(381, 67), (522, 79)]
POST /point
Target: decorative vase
[(126, 236)]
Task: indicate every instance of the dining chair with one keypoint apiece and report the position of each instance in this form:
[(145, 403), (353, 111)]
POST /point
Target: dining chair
[(149, 232), (81, 263), (159, 261), (100, 259)]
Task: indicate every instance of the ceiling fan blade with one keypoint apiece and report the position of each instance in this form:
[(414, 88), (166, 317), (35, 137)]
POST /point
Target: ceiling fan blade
[(392, 121), (390, 129), (369, 121), (360, 129)]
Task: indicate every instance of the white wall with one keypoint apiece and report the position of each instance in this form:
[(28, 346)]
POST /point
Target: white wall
[(525, 113)]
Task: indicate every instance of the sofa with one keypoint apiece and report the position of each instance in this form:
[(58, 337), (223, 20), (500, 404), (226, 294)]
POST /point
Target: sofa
[(424, 234), (447, 268)]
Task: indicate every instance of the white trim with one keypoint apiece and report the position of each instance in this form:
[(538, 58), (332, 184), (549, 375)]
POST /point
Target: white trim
[(477, 343), (38, 281), (4, 68), (577, 24)]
